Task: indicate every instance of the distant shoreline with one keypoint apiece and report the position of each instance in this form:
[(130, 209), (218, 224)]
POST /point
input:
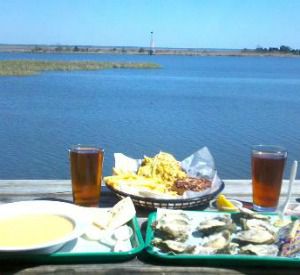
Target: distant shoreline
[(272, 52)]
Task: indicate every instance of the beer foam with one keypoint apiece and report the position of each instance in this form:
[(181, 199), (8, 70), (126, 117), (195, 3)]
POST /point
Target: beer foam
[(270, 155), (84, 150)]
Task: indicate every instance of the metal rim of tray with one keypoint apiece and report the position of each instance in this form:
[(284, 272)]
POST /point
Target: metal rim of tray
[(152, 203)]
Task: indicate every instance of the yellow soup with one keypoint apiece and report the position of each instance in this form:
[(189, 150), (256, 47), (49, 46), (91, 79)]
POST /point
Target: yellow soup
[(33, 229)]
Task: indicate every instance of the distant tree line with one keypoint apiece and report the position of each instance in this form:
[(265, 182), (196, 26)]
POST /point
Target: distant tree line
[(140, 50), (64, 49), (71, 49), (60, 49), (282, 49)]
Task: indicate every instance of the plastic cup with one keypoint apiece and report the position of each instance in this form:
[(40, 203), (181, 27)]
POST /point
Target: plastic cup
[(86, 163), (268, 162)]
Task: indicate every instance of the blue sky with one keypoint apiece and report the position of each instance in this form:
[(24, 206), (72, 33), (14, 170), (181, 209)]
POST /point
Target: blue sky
[(175, 23)]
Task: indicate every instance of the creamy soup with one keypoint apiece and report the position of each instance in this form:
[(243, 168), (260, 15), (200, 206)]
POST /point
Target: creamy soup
[(33, 229)]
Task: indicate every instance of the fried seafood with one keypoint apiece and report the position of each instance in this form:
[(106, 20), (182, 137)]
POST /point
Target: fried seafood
[(158, 175), (193, 184), (130, 180), (163, 167)]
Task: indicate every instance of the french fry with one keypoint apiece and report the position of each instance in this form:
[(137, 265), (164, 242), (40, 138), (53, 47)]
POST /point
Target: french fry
[(156, 174)]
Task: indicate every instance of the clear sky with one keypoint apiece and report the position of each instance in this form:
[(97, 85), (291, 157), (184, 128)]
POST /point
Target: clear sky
[(232, 24)]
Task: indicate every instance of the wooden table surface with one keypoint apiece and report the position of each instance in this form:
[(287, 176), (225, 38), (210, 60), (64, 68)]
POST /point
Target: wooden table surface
[(20, 190)]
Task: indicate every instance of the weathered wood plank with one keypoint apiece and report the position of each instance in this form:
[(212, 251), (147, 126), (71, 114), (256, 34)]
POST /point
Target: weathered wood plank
[(16, 190), (139, 267), (53, 186)]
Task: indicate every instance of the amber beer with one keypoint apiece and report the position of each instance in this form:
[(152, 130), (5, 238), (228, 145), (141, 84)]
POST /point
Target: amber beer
[(267, 171), (86, 174)]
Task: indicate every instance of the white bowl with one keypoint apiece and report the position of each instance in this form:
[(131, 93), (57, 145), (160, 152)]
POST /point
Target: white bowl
[(77, 215)]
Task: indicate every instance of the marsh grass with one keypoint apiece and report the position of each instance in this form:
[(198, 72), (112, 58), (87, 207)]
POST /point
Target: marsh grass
[(31, 67)]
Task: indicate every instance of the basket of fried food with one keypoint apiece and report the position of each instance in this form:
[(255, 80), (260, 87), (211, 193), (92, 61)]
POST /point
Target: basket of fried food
[(162, 182)]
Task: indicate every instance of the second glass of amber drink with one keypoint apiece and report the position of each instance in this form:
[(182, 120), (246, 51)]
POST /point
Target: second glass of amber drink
[(268, 163), (86, 174)]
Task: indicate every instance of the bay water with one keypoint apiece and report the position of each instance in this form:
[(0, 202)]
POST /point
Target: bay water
[(224, 103)]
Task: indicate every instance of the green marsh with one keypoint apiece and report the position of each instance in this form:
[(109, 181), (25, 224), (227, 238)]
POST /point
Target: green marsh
[(31, 67)]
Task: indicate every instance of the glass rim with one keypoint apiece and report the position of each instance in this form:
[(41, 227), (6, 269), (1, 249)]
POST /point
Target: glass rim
[(84, 147), (266, 148)]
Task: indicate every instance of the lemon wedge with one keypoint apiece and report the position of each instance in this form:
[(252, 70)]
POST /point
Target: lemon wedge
[(224, 204)]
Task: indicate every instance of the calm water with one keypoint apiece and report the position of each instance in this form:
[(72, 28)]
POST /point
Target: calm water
[(225, 103)]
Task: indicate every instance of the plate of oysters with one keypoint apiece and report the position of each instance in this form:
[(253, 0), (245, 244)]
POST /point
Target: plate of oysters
[(161, 181), (222, 238)]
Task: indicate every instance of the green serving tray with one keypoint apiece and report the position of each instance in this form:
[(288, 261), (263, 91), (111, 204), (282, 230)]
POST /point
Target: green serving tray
[(60, 257), (213, 260)]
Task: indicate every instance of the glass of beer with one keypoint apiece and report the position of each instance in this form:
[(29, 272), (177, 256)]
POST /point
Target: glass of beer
[(268, 163), (86, 174)]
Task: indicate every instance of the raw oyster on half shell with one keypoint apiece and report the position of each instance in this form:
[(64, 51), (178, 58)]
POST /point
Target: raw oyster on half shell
[(260, 249), (173, 246), (255, 236), (249, 214), (247, 224), (219, 241), (216, 224), (173, 227)]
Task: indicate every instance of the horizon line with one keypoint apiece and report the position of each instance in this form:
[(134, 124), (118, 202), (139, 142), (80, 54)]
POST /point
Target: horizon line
[(117, 46)]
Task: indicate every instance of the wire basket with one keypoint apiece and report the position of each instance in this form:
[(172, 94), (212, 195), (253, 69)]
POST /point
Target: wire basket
[(151, 203)]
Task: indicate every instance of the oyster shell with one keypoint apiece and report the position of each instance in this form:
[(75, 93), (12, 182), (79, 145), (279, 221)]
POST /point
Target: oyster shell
[(204, 250), (259, 224), (216, 224), (219, 241), (249, 214), (255, 236), (233, 249), (260, 249), (174, 227), (173, 246), (173, 214)]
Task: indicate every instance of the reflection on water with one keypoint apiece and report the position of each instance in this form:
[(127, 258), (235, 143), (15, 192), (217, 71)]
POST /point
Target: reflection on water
[(225, 103)]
